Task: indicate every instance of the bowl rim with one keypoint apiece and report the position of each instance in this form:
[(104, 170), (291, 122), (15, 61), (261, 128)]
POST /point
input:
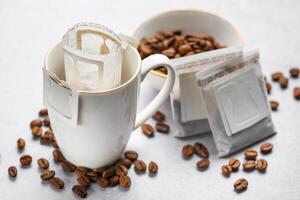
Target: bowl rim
[(239, 37)]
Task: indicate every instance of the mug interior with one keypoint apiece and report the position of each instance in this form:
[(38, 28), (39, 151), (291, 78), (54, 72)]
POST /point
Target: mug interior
[(131, 64)]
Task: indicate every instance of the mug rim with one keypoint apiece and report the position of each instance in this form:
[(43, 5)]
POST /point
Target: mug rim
[(124, 85)]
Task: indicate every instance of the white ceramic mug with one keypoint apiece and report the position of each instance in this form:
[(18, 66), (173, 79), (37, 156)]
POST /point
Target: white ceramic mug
[(93, 128)]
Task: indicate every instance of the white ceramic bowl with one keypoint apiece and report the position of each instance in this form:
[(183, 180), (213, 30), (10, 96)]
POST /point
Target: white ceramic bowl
[(188, 21)]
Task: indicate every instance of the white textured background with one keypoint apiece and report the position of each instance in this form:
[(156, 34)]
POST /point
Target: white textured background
[(29, 28)]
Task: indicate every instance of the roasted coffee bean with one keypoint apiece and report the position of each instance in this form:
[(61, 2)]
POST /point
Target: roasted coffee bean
[(54, 144), (108, 172), (170, 52), (43, 112), (266, 148), (283, 81), (47, 175), (68, 166), (140, 166), (125, 162), (79, 191), (84, 181), (57, 155), (250, 154), (201, 150), (46, 122), (296, 93), (148, 130), (12, 171), (37, 131), (102, 182), (240, 185), (131, 155), (274, 105), (125, 181), (261, 165), (249, 165), (152, 167), (21, 143), (36, 123), (113, 181), (276, 76), (184, 49), (43, 163), (203, 164), (81, 171), (162, 127), (187, 151), (25, 160), (57, 183), (234, 164), (121, 170), (269, 87), (158, 116), (47, 138), (226, 170), (294, 72), (100, 170)]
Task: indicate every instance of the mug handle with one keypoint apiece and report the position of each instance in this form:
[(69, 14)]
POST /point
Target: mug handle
[(148, 64)]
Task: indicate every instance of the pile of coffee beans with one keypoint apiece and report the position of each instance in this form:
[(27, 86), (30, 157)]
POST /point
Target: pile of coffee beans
[(160, 125), (174, 44)]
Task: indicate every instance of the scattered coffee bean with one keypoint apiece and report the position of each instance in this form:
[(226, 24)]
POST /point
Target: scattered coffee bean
[(108, 172), (140, 166), (266, 148), (25, 160), (294, 72), (162, 127), (43, 112), (79, 191), (187, 151), (121, 170), (249, 165), (131, 155), (47, 138), (93, 175), (234, 164), (240, 185), (84, 181), (296, 93), (57, 155), (21, 143), (57, 183), (152, 167), (47, 175), (125, 162), (269, 87), (12, 171), (68, 166), (148, 130), (36, 123), (81, 171), (283, 81), (43, 163), (113, 181), (261, 165), (201, 150), (158, 116), (203, 164), (125, 181), (102, 182), (250, 154), (54, 144), (37, 131), (100, 170), (46, 122), (226, 170), (276, 76), (274, 105)]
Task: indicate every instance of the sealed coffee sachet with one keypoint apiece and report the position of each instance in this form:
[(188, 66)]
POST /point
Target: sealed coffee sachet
[(188, 110), (235, 98)]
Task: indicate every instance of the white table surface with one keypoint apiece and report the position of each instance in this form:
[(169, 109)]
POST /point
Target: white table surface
[(29, 28)]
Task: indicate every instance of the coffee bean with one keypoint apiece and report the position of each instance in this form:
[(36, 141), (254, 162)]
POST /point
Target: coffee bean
[(185, 48), (274, 105), (296, 93), (283, 81), (144, 49), (46, 122), (201, 150), (108, 172), (21, 143), (81, 171), (121, 170), (203, 164), (170, 52), (140, 166), (125, 162), (240, 185), (266, 148), (148, 130), (47, 175), (249, 165), (57, 183), (43, 112), (276, 76), (152, 167), (113, 181), (162, 127), (131, 155), (79, 191), (84, 181), (102, 182), (35, 123), (158, 116), (93, 175), (37, 131), (25, 160), (125, 181), (100, 170), (261, 165), (250, 154), (43, 163), (187, 151), (294, 72), (12, 171), (47, 138), (54, 144), (269, 87), (226, 170), (57, 156), (68, 166), (234, 164)]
